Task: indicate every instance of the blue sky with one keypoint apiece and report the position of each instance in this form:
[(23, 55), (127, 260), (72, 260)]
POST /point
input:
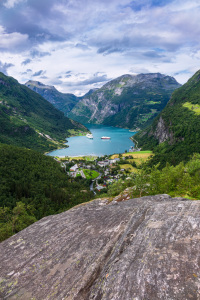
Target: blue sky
[(77, 45)]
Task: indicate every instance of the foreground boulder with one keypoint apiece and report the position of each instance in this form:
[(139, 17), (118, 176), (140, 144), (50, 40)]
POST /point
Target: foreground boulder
[(146, 248)]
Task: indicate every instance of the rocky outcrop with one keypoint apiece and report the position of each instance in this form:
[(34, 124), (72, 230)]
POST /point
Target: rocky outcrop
[(162, 132), (145, 248)]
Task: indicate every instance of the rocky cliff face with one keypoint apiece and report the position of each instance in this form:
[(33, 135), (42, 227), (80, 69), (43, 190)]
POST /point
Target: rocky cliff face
[(62, 101), (128, 101), (146, 248), (162, 132)]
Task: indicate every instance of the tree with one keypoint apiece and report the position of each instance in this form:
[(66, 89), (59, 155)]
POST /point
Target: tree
[(21, 219)]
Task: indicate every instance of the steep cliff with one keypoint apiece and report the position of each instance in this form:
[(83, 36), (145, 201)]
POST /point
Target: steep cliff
[(174, 134), (128, 101), (145, 248)]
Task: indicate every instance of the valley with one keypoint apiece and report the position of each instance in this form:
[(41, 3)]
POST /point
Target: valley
[(99, 150)]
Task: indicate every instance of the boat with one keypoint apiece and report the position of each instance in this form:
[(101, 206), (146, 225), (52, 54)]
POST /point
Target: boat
[(89, 136), (105, 138)]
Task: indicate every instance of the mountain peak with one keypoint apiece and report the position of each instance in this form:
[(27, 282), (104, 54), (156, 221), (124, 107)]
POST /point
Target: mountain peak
[(38, 84), (62, 101), (127, 101)]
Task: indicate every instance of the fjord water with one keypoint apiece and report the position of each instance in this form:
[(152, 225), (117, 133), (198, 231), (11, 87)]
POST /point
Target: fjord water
[(81, 145)]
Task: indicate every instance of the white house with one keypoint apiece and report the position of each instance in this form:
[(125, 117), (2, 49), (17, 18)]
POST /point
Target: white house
[(103, 163), (74, 168)]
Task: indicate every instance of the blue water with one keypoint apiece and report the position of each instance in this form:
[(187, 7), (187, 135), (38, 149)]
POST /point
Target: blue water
[(81, 145)]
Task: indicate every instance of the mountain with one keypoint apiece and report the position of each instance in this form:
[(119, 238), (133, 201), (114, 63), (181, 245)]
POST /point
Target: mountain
[(143, 248), (175, 133), (28, 120), (63, 102), (128, 101)]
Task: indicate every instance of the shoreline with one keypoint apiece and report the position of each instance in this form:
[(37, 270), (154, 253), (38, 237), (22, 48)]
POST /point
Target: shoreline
[(118, 145)]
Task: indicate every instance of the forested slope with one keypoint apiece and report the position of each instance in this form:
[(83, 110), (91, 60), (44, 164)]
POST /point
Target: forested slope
[(175, 133), (28, 120), (32, 186)]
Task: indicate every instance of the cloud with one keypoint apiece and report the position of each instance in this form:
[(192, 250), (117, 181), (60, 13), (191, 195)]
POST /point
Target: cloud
[(11, 3), (153, 54), (39, 73), (11, 41), (95, 78), (82, 46), (26, 62), (35, 53), (4, 67), (111, 37)]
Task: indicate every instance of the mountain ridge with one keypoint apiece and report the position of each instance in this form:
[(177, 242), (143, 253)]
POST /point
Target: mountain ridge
[(128, 101), (62, 101), (28, 120)]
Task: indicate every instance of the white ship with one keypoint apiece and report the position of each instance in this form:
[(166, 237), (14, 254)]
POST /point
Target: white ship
[(89, 136), (105, 138)]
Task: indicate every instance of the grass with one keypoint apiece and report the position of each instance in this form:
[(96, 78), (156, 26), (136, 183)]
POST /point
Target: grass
[(90, 174), (86, 158), (76, 132), (193, 107), (128, 167), (138, 157), (139, 154)]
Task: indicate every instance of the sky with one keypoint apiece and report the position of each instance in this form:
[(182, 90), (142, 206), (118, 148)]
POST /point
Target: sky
[(77, 45)]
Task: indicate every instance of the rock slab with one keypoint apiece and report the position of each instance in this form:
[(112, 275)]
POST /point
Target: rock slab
[(145, 248)]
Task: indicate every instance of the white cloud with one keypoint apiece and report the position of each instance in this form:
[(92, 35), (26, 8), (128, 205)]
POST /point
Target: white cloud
[(10, 41), (12, 3)]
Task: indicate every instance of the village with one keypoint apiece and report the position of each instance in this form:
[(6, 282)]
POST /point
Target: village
[(105, 170)]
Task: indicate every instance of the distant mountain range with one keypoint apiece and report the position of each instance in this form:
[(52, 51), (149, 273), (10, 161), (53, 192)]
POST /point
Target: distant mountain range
[(28, 120), (62, 101), (128, 101), (175, 133)]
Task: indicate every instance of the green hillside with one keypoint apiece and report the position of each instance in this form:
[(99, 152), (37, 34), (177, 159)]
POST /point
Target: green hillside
[(130, 101), (28, 120), (32, 186), (175, 133)]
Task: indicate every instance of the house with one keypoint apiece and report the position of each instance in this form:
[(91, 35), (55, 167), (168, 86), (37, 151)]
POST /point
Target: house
[(103, 163), (74, 168), (99, 187)]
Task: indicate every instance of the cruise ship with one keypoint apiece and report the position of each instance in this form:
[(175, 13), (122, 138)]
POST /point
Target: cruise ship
[(89, 136)]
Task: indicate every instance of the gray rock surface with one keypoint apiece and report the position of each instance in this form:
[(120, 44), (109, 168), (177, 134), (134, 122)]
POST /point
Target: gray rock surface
[(145, 248), (162, 132)]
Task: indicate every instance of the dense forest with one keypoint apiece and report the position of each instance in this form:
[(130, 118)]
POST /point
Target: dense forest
[(32, 186)]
